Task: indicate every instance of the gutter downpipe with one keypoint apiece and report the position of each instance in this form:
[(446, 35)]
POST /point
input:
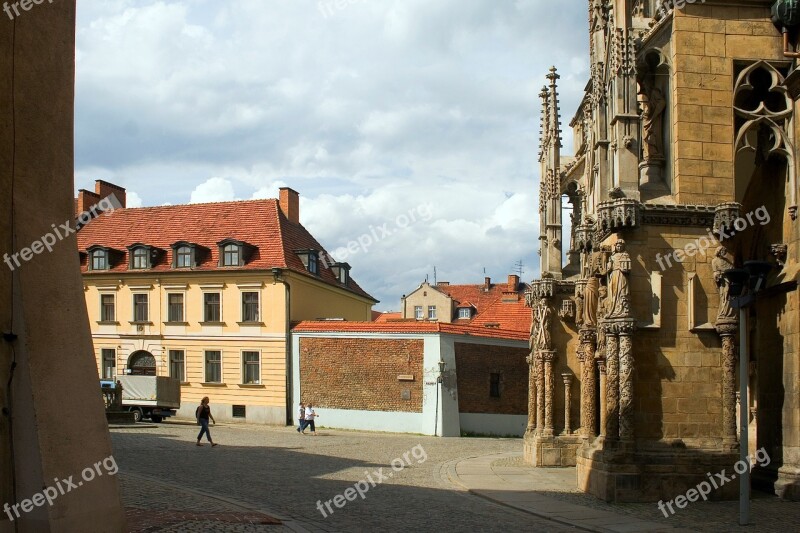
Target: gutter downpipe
[(277, 277)]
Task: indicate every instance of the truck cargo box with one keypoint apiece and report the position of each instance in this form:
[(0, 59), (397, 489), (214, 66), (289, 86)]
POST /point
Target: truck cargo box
[(160, 391)]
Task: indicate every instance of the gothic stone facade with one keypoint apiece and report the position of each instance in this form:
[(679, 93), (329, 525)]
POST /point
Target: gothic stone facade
[(684, 167)]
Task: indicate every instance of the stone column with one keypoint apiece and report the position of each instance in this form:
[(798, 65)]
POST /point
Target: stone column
[(539, 393), (728, 332), (531, 360), (43, 301), (567, 402), (588, 408), (601, 368), (612, 386), (626, 407), (547, 358)]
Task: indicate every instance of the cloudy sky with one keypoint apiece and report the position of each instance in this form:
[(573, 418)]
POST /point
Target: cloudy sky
[(413, 122)]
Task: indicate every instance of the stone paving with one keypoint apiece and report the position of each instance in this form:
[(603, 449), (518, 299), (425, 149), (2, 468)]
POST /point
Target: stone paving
[(552, 492), (457, 484), (284, 475)]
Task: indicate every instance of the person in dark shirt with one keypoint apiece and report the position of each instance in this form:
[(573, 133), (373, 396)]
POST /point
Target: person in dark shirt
[(203, 413)]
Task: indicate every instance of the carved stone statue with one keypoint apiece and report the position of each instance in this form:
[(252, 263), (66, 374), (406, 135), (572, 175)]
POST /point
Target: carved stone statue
[(653, 105), (590, 302), (542, 316), (720, 263), (619, 267), (600, 353), (579, 309)]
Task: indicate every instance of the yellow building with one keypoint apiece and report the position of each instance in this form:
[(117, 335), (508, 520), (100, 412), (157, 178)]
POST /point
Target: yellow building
[(207, 293)]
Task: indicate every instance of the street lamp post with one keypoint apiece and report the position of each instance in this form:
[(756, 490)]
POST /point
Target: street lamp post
[(439, 380), (754, 277)]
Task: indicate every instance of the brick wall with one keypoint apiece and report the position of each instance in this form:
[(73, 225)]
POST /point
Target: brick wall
[(474, 365), (361, 373)]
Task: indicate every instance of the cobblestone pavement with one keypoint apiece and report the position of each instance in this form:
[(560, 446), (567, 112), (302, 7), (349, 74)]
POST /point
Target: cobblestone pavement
[(285, 474), (153, 505), (768, 513)]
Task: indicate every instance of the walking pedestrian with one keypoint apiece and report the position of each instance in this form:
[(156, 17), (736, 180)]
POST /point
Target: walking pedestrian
[(203, 413), (310, 416), (301, 416)]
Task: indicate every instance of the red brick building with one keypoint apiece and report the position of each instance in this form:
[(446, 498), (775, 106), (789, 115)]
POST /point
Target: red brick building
[(416, 377)]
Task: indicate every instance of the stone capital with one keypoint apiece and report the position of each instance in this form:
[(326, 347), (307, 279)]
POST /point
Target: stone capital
[(546, 356), (620, 326), (588, 335), (727, 327)]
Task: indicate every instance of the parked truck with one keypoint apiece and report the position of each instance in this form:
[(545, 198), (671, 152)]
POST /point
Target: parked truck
[(153, 397)]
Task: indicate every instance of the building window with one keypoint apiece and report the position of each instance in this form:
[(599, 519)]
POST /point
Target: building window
[(107, 308), (141, 258), (239, 411), (183, 257), (212, 307), (109, 357), (100, 260), (230, 255), (213, 366), (177, 365), (464, 312), (310, 259), (431, 312), (249, 307), (418, 312), (175, 307), (251, 368), (140, 313), (494, 385)]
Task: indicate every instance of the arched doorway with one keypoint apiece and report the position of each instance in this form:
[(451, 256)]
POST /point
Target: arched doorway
[(142, 363)]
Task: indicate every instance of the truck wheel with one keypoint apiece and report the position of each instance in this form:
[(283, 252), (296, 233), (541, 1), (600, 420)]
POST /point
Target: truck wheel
[(156, 418), (137, 415)]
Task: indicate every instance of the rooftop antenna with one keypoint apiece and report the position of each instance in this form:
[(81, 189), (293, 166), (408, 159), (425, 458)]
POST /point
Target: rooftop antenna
[(519, 268), (434, 275)]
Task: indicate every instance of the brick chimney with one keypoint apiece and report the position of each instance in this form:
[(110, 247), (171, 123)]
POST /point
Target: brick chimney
[(103, 189), (290, 204), (86, 199), (513, 282), (443, 284), (487, 283)]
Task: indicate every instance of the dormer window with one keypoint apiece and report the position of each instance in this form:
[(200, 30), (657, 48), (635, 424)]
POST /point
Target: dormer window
[(310, 259), (465, 312), (102, 258), (342, 272), (233, 252), (142, 256), (187, 254)]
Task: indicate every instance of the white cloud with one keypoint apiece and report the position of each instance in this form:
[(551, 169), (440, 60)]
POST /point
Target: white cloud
[(213, 190), (368, 112), (132, 199)]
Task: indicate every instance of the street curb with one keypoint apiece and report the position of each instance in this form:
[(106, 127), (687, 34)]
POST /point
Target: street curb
[(449, 474)]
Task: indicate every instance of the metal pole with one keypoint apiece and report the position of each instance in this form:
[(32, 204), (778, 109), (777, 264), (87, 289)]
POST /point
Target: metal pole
[(744, 411)]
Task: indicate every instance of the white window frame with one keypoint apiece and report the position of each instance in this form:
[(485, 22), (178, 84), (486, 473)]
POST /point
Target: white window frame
[(432, 308), (103, 363), (169, 362), (241, 358), (419, 312), (106, 292), (134, 294), (464, 312), (221, 365)]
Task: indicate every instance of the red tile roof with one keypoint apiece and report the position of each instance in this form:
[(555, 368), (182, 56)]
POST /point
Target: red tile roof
[(259, 223), (386, 317), (489, 305), (407, 326)]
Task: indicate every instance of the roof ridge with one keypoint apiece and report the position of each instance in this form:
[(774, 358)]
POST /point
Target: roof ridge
[(252, 200)]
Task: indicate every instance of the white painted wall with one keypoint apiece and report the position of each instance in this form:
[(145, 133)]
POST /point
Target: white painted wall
[(489, 424)]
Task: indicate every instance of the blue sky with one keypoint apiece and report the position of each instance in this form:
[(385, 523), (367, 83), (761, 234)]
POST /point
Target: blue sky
[(371, 110)]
